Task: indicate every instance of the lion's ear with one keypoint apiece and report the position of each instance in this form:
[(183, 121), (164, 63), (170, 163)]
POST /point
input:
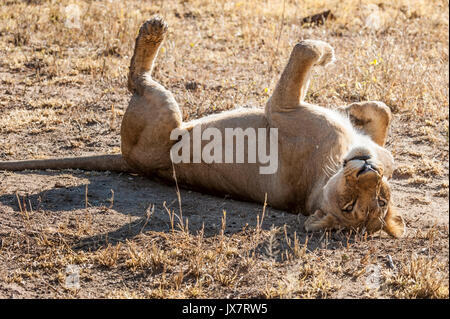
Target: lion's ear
[(320, 221), (394, 223)]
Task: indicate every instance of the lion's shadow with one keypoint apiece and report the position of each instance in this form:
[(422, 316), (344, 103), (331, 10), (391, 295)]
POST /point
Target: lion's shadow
[(138, 204)]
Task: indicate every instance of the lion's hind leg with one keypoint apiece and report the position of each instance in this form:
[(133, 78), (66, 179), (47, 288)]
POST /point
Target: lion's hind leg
[(151, 34), (152, 113)]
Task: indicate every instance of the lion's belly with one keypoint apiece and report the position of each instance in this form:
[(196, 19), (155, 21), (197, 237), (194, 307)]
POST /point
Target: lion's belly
[(241, 180)]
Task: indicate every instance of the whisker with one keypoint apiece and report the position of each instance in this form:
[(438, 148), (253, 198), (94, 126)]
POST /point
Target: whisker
[(330, 170), (333, 161), (383, 222), (326, 172)]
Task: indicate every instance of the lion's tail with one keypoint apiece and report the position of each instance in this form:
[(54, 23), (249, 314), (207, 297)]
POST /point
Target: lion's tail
[(113, 162), (151, 34)]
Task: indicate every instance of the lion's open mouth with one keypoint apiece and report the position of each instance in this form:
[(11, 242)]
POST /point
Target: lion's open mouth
[(367, 167)]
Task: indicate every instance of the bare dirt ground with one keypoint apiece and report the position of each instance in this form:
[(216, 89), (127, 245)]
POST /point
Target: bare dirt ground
[(63, 69)]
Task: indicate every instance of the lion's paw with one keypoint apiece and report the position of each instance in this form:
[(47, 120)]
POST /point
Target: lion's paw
[(153, 30), (319, 51)]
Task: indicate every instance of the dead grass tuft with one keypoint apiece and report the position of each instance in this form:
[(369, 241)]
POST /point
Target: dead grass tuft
[(421, 277)]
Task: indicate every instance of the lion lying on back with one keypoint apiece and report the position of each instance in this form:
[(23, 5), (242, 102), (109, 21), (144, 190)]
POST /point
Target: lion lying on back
[(330, 164)]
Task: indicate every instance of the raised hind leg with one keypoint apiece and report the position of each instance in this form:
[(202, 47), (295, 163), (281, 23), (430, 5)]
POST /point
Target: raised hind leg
[(152, 113)]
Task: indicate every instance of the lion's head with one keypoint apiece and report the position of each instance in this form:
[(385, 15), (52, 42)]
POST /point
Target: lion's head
[(357, 196)]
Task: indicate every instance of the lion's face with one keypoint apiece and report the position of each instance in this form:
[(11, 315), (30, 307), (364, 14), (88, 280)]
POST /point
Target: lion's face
[(357, 196)]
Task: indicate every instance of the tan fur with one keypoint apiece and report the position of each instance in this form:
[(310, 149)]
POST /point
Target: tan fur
[(321, 151)]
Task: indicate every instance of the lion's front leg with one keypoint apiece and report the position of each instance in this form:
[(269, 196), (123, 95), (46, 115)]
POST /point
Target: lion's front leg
[(294, 81), (373, 118)]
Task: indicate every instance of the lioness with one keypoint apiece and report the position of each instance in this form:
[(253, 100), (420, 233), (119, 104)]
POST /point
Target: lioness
[(331, 163)]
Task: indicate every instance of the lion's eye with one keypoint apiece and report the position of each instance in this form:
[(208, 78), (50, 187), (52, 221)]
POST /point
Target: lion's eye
[(382, 202), (349, 207)]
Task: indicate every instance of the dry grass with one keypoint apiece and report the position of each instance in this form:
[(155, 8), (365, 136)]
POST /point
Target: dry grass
[(252, 263), (63, 71), (420, 277)]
